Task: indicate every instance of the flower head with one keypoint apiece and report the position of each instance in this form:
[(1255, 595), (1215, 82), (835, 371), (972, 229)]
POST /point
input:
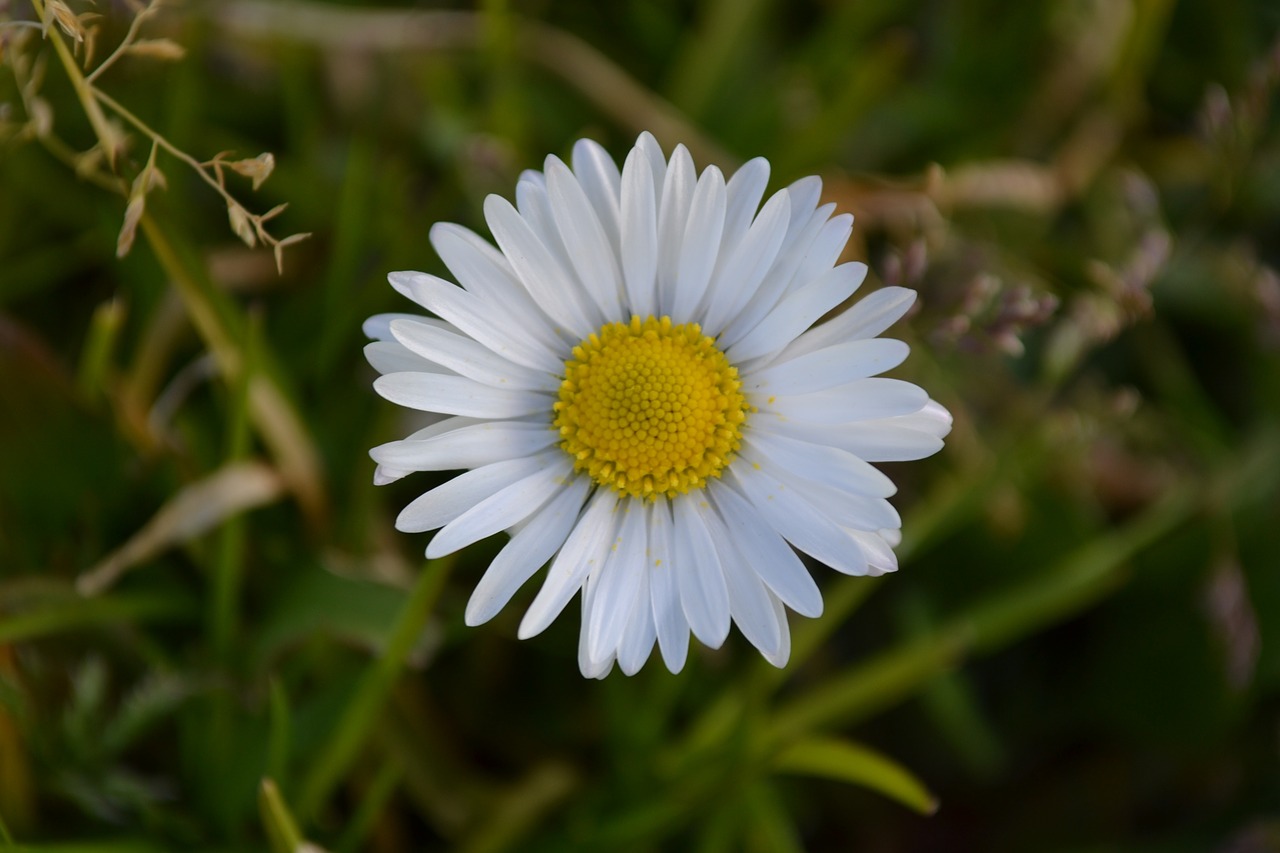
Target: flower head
[(637, 389)]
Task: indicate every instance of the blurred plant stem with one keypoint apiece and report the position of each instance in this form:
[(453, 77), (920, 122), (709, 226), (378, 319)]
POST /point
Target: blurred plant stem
[(584, 68), (228, 567), (228, 572), (100, 344), (508, 106), (72, 612), (370, 696), (1065, 589), (213, 315), (282, 828), (514, 812), (708, 53), (373, 801), (221, 327), (108, 137)]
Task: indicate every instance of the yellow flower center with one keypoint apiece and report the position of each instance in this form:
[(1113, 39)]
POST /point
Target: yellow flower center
[(650, 408)]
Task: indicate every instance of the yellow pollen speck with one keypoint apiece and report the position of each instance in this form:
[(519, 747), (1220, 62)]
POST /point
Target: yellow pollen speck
[(650, 408)]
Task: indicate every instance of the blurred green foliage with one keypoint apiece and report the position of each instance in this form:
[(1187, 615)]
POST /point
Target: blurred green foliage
[(200, 589)]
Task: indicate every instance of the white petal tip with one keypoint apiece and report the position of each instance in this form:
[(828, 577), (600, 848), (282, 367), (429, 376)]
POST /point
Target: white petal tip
[(528, 630), (404, 280), (778, 660), (811, 610), (382, 475), (676, 664), (435, 552)]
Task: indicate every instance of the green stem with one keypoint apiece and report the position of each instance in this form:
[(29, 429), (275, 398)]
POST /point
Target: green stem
[(76, 613), (282, 829), (1071, 586), (273, 416), (366, 705), (228, 565), (108, 138), (125, 43), (156, 137), (372, 803)]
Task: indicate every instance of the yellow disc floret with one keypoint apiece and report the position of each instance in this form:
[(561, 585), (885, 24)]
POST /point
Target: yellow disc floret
[(650, 408)]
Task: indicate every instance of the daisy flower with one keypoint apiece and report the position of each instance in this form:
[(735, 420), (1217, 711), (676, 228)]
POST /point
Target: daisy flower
[(637, 388)]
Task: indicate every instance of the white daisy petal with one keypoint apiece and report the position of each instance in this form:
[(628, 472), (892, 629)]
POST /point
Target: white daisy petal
[(591, 668), (620, 581), (584, 551), (391, 357), (803, 525), (404, 283), (879, 553), (818, 463), (886, 441), (857, 512), (485, 272), (897, 439), (737, 280), (602, 183), (635, 387), (826, 368), (664, 594), (590, 251), (766, 552), (527, 552), (469, 447), (639, 235), (443, 425), (798, 311), (378, 327), (804, 194), (541, 272), (478, 267), (781, 278), (457, 395), (638, 638), (477, 318), (704, 598), (861, 399), (782, 654), (464, 356), (534, 206), (701, 244), (825, 249), (449, 500), (933, 418), (652, 151), (501, 510), (742, 199), (749, 599), (382, 475), (869, 317), (673, 215)]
